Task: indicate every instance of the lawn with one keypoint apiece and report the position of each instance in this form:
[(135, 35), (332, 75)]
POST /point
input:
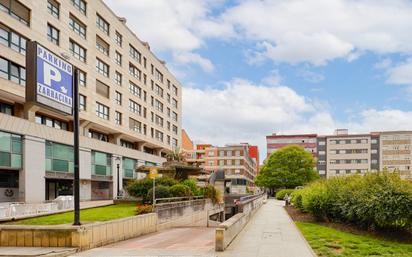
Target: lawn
[(329, 242), (104, 213)]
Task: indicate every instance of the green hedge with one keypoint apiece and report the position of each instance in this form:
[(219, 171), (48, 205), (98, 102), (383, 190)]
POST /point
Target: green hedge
[(376, 200), (180, 190), (280, 195)]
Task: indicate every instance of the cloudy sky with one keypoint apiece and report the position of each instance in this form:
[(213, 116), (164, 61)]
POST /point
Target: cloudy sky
[(252, 68)]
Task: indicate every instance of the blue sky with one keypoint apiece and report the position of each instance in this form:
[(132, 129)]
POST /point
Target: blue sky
[(252, 68)]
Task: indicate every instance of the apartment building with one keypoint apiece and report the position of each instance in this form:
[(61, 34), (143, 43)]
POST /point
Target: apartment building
[(307, 141), (187, 143), (130, 102), (395, 152)]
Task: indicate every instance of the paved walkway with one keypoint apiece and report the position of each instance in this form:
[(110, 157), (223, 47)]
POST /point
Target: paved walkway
[(188, 241), (36, 251), (270, 233)]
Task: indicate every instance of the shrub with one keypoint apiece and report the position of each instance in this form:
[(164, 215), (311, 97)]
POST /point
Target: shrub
[(280, 195), (191, 183), (160, 192), (376, 201), (141, 187), (143, 209), (211, 193), (180, 190)]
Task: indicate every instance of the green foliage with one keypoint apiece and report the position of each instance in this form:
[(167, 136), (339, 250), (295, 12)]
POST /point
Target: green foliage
[(191, 183), (329, 242), (180, 190), (141, 187), (376, 200), (160, 192), (211, 193), (280, 195), (288, 167)]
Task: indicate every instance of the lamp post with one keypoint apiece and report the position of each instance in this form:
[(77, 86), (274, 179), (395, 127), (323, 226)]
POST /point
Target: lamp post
[(118, 176)]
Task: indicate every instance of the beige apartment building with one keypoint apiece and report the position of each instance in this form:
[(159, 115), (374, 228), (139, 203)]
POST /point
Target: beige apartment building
[(396, 155), (130, 103), (348, 154)]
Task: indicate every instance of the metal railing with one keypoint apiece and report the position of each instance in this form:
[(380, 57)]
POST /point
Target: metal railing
[(177, 199)]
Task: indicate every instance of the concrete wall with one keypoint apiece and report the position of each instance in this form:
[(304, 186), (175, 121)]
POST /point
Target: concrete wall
[(227, 231)]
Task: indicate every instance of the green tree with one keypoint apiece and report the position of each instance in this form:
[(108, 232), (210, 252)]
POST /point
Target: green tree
[(288, 167)]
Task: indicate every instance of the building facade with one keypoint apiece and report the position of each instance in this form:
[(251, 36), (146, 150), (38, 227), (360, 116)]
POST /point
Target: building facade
[(307, 141), (130, 103)]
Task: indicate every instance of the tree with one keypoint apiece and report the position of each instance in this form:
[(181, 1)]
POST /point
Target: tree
[(288, 167), (176, 155)]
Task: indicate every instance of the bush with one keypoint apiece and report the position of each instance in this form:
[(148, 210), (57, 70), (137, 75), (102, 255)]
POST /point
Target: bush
[(143, 209), (280, 195), (191, 183), (211, 193), (375, 201), (141, 187), (160, 192), (180, 190)]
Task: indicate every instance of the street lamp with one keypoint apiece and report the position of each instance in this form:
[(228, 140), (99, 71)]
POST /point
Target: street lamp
[(117, 158)]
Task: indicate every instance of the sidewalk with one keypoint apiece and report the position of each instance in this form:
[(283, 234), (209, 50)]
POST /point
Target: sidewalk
[(270, 233)]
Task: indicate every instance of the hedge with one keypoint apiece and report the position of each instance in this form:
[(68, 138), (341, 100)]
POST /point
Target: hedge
[(180, 190), (376, 200), (280, 195)]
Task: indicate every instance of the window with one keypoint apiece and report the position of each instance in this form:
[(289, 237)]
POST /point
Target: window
[(159, 135), (174, 90), (118, 78), (15, 9), (102, 67), (174, 103), (12, 39), (159, 76), (102, 89), (374, 151), (135, 54), (221, 162), (102, 111), (77, 51), (53, 34), (158, 106), (174, 143), (101, 163), (364, 141), (54, 8), (118, 98), (321, 152), (6, 109), (159, 120), (102, 24), (374, 141), (237, 153), (119, 39), (174, 116), (59, 157), (322, 142), (82, 102), (10, 150), (12, 72), (118, 118), (174, 129), (135, 107), (128, 166), (82, 78), (159, 90), (168, 125), (77, 26), (135, 125), (102, 46), (127, 144), (374, 161), (168, 112), (135, 72), (135, 89), (98, 135), (50, 122), (80, 5), (168, 98), (118, 58)]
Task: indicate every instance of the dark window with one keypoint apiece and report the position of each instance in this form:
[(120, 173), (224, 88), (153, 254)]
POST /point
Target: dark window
[(15, 9), (54, 8), (12, 39), (53, 34), (78, 51), (77, 26), (102, 24), (12, 72), (80, 5)]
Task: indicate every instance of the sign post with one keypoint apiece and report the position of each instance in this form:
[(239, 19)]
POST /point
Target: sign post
[(153, 172), (52, 82)]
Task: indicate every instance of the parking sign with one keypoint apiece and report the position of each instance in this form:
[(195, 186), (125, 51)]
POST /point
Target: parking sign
[(50, 79)]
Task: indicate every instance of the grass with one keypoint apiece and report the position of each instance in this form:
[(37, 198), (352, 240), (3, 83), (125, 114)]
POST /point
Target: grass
[(329, 242), (104, 213)]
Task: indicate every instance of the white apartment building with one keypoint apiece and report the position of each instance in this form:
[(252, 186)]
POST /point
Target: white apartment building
[(130, 102)]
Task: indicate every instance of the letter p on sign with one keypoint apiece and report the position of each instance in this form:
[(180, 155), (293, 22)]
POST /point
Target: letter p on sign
[(51, 73)]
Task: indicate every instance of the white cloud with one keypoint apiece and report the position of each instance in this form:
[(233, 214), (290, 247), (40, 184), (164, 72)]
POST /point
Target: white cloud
[(187, 58), (311, 76), (401, 74)]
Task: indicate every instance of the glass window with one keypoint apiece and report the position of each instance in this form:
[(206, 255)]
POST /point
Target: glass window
[(118, 118), (12, 39), (6, 109), (135, 125), (135, 89), (135, 107), (119, 39), (128, 167), (118, 98), (102, 46), (80, 5), (82, 78), (54, 8), (82, 102), (12, 72), (77, 26), (77, 51), (16, 10), (135, 72), (53, 34), (102, 67), (118, 58), (102, 24), (101, 163), (135, 54), (102, 111), (118, 78)]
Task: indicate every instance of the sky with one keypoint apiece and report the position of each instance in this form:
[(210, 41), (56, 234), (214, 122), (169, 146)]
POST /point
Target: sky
[(253, 68)]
